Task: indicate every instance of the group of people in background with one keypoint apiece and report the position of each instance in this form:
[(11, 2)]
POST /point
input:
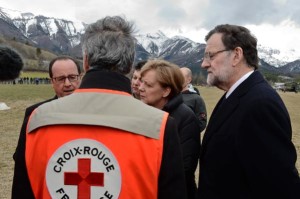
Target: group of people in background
[(107, 136), (29, 80)]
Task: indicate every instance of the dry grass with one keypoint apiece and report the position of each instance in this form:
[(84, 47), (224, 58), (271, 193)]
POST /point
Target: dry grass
[(18, 97)]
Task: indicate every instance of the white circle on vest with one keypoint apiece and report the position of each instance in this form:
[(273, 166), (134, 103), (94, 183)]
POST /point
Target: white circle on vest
[(83, 168)]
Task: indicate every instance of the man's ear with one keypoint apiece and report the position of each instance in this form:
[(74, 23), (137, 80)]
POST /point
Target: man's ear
[(167, 92), (86, 66), (238, 55)]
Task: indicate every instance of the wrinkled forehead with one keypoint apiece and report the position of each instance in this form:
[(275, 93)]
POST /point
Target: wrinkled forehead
[(64, 68), (214, 42)]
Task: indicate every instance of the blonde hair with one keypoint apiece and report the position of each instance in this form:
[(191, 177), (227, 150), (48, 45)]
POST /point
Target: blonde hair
[(167, 74)]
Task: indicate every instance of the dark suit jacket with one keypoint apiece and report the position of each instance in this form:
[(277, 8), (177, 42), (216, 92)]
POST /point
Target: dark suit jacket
[(18, 156), (30, 109), (247, 150)]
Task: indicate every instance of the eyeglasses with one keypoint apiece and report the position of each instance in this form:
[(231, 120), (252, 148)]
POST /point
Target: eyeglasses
[(62, 79), (208, 56)]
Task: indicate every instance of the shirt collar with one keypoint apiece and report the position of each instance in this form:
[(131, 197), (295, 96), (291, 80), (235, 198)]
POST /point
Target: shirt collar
[(237, 83)]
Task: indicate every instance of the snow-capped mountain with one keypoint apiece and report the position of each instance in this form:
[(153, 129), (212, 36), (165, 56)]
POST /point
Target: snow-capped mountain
[(180, 50), (58, 35), (275, 57), (63, 37), (152, 43), (159, 45)]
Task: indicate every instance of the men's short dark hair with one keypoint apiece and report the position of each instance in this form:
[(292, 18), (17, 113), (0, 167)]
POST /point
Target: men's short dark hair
[(139, 65), (11, 64), (238, 36), (63, 57)]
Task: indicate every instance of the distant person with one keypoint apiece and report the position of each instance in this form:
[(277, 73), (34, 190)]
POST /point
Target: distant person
[(193, 89), (247, 150), (192, 99), (161, 86), (136, 79), (188, 80), (100, 142), (11, 63), (65, 74)]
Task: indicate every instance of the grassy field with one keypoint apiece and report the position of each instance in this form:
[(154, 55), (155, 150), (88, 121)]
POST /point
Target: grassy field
[(18, 97)]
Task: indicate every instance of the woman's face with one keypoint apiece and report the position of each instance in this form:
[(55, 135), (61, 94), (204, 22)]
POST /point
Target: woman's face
[(151, 92), (135, 82)]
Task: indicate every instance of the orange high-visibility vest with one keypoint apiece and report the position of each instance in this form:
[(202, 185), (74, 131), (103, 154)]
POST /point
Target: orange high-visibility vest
[(95, 143)]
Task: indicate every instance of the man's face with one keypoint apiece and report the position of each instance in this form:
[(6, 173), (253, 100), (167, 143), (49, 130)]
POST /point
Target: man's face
[(135, 82), (62, 85), (218, 62)]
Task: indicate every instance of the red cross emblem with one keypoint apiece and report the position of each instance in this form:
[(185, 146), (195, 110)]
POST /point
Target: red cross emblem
[(84, 178)]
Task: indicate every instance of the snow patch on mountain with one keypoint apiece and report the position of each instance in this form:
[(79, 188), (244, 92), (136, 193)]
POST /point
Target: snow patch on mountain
[(277, 57), (156, 43), (49, 25), (152, 42), (13, 14), (159, 44)]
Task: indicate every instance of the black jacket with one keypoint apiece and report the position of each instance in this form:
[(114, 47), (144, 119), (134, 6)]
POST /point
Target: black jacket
[(196, 103), (247, 150), (171, 180), (189, 135), (20, 179)]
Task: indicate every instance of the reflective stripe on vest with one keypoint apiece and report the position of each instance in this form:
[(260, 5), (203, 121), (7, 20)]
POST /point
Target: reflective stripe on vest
[(59, 156), (104, 109)]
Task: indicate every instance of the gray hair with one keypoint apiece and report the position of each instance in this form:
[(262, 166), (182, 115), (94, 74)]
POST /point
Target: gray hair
[(110, 45)]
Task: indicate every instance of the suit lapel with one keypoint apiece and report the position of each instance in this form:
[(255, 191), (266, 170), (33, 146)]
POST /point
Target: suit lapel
[(221, 113), (219, 116)]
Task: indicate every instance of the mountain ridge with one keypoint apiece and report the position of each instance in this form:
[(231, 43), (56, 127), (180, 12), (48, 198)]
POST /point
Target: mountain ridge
[(63, 37)]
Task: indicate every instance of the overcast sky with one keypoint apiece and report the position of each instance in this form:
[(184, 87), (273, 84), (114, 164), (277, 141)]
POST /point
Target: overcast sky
[(275, 23)]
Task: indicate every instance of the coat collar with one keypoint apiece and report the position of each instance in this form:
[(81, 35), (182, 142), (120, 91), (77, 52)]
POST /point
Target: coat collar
[(224, 109), (173, 103), (106, 80)]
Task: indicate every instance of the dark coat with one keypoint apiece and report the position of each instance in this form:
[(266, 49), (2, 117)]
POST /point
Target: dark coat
[(196, 103), (20, 172), (247, 150), (189, 134)]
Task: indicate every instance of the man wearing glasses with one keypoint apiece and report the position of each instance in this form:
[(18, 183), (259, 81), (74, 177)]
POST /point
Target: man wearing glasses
[(65, 74), (247, 150)]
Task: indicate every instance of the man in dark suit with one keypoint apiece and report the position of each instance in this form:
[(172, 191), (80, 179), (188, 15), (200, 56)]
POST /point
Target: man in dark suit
[(247, 150), (65, 74)]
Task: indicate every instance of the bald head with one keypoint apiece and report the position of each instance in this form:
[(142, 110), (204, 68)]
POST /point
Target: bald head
[(187, 73)]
